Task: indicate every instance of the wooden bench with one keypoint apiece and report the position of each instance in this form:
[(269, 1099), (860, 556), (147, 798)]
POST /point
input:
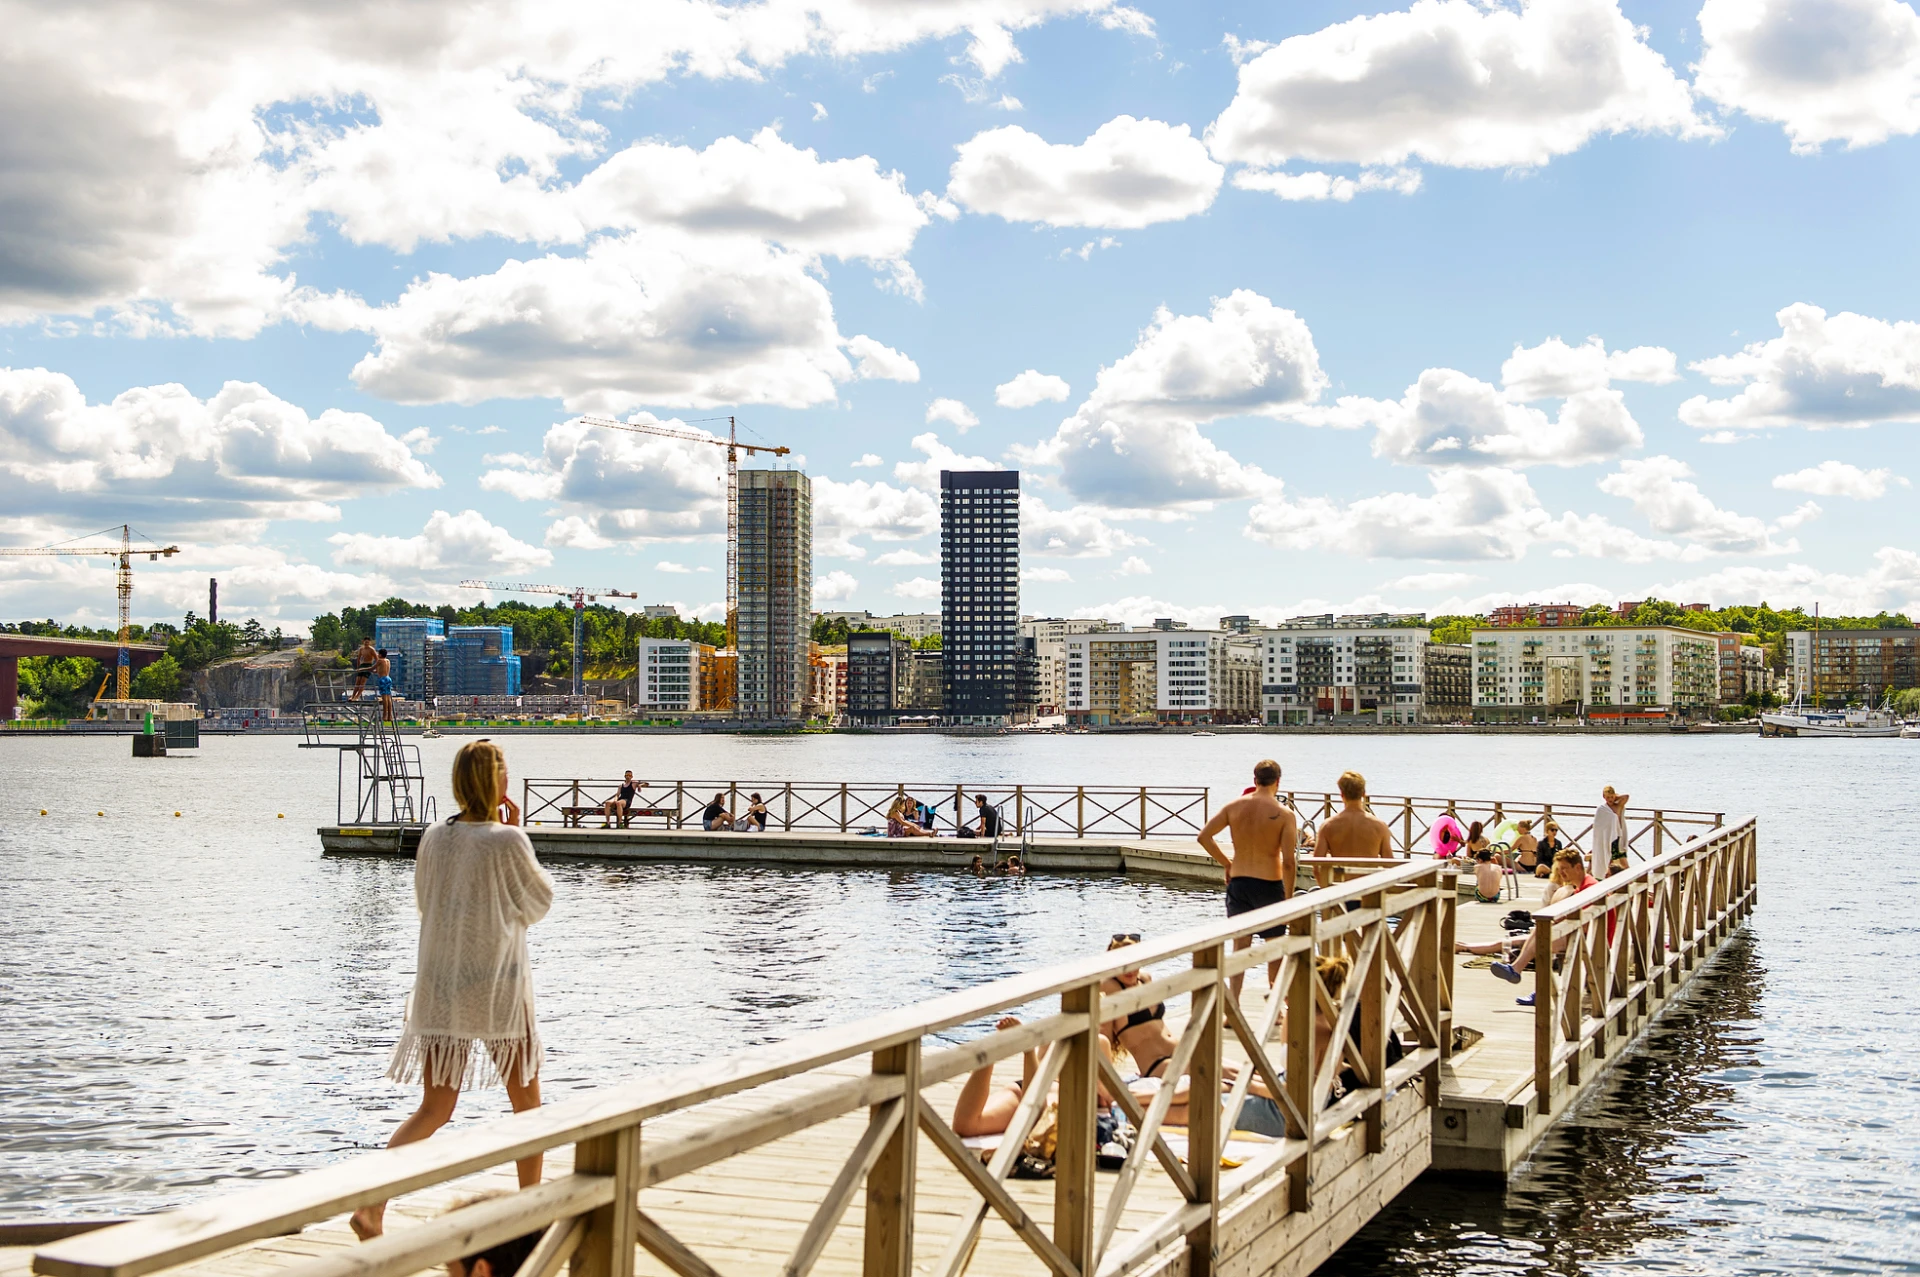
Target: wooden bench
[(570, 817)]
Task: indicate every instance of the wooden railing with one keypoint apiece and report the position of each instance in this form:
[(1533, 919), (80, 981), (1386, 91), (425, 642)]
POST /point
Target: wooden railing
[(1392, 924), (1082, 811), (1067, 811), (1627, 943)]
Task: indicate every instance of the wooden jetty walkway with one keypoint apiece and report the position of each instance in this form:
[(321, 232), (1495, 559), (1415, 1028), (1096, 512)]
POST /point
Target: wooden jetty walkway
[(833, 1152)]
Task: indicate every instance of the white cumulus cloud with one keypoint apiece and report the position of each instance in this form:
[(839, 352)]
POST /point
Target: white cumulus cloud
[(1838, 479), (953, 412), (918, 587), (448, 543), (611, 486), (1134, 565), (1824, 70), (1471, 514), (843, 511), (1315, 186), (1822, 371), (883, 363), (161, 458), (1135, 442), (643, 318), (1130, 173), (1456, 83), (162, 162), (1029, 388), (1662, 490), (1555, 370), (834, 587)]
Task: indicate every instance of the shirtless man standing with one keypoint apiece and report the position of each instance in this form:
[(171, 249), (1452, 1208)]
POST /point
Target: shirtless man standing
[(364, 659), (1354, 834), (1262, 868)]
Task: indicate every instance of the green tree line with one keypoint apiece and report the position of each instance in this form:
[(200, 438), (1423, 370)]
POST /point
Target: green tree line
[(1759, 623)]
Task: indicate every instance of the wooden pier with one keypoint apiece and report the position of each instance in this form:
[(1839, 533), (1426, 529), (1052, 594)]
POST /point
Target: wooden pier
[(833, 1152)]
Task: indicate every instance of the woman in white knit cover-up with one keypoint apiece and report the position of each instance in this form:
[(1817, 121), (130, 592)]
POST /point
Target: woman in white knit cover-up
[(470, 1018)]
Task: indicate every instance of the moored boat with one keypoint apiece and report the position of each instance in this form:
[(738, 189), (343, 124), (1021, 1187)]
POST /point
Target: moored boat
[(1799, 720)]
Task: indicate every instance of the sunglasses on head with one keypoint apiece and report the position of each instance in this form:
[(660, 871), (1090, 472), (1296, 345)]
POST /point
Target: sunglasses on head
[(1133, 936)]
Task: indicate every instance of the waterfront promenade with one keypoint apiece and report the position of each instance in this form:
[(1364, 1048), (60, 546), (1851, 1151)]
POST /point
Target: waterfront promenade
[(800, 1156)]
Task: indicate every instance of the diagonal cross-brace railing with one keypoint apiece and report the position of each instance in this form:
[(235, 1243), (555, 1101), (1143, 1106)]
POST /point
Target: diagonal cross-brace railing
[(599, 1216)]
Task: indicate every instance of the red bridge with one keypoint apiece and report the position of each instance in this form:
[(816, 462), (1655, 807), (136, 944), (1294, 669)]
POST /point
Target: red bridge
[(15, 646)]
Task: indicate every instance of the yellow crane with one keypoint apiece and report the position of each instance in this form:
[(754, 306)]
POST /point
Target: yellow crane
[(734, 448), (123, 684), (580, 595)]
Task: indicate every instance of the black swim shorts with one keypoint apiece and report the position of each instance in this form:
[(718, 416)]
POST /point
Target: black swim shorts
[(1247, 894)]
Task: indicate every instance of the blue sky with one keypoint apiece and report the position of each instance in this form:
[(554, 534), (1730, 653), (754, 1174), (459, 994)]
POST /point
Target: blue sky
[(1279, 308)]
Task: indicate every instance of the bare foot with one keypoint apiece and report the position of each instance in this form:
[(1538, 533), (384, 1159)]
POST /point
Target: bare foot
[(368, 1222)]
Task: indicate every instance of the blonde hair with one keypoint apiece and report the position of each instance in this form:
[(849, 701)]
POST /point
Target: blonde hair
[(1333, 974), (477, 771), (1353, 786)]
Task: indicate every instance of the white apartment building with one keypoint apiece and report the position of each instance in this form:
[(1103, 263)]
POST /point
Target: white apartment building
[(1049, 635), (1601, 672), (1313, 673), (669, 675), (1168, 676)]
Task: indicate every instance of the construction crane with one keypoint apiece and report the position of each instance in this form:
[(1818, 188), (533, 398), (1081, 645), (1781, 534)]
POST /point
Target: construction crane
[(580, 595), (734, 448), (123, 682)]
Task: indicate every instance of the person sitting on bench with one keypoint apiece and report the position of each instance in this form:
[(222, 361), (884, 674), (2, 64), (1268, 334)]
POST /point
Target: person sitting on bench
[(622, 803)]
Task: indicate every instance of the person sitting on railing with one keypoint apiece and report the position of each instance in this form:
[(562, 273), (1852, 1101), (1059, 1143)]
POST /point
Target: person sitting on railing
[(1570, 876), (900, 821), (470, 1018), (716, 818)]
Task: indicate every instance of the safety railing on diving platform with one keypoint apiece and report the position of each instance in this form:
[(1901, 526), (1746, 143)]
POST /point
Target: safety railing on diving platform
[(1091, 811)]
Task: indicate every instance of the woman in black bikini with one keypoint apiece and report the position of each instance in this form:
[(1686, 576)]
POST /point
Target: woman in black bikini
[(1143, 1034)]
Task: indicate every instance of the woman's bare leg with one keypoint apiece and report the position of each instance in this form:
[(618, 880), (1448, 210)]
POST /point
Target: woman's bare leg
[(981, 1110), (524, 1096), (436, 1106)]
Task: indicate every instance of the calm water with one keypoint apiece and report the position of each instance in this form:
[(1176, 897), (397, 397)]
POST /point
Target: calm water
[(194, 1000)]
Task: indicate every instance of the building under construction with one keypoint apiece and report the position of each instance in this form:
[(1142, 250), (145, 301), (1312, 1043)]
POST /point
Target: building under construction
[(774, 620)]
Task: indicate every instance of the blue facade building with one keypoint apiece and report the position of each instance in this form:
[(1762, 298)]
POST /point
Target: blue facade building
[(479, 661), (409, 642)]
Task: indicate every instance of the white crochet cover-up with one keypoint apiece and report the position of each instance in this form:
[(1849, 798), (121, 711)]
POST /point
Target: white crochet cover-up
[(470, 1016)]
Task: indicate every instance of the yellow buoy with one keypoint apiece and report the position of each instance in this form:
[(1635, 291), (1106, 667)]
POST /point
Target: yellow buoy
[(176, 813), (43, 811), (99, 813), (281, 816)]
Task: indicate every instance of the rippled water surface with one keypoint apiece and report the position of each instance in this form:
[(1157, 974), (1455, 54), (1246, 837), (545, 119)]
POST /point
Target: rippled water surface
[(186, 1001)]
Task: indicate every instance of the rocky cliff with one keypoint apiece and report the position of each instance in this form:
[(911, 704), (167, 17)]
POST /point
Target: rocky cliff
[(268, 680)]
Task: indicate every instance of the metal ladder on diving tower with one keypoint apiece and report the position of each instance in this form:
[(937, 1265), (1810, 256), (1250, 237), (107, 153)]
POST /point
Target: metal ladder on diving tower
[(389, 786)]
